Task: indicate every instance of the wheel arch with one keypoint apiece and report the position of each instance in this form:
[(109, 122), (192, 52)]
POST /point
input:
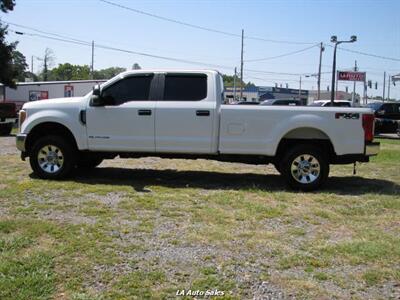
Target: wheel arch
[(305, 135), (48, 128)]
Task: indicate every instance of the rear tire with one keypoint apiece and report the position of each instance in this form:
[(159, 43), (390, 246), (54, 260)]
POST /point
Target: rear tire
[(52, 157), (304, 168)]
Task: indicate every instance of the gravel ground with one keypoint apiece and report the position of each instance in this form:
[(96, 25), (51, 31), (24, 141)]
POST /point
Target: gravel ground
[(254, 267), (7, 145)]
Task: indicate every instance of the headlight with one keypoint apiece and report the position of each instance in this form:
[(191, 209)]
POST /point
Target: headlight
[(21, 118)]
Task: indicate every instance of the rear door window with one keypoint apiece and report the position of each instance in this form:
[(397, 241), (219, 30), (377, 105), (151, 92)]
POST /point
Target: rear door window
[(185, 87)]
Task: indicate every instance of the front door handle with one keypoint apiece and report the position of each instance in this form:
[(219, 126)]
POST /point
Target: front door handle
[(202, 113), (144, 112)]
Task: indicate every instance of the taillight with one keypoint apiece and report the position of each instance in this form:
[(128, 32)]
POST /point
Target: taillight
[(368, 125)]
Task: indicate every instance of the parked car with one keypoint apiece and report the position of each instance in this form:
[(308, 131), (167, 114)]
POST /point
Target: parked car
[(291, 102), (179, 114), (337, 103), (248, 103), (8, 117), (387, 116)]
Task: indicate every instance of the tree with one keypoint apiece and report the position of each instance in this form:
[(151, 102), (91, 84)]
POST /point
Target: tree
[(68, 71), (48, 61), (107, 73), (136, 66), (229, 82), (20, 65), (6, 5), (8, 73)]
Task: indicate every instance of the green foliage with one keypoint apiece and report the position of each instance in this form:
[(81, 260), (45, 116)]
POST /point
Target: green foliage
[(6, 5), (68, 71), (19, 65), (229, 81), (12, 62), (107, 73)]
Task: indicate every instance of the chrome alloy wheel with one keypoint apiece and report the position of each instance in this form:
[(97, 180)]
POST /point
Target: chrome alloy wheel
[(50, 159), (305, 169)]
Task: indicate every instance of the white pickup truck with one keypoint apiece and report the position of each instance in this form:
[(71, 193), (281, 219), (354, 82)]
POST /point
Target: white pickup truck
[(180, 114)]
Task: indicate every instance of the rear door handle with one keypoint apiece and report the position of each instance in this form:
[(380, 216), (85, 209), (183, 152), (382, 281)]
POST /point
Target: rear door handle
[(144, 112), (202, 113)]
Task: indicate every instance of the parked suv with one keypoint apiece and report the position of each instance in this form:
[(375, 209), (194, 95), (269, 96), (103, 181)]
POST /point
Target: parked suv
[(387, 116)]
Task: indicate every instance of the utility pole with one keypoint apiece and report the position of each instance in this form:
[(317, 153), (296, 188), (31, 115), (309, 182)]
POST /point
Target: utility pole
[(32, 64), (92, 66), (321, 49), (234, 86), (389, 87), (300, 89), (45, 71), (384, 86), (337, 83), (241, 69), (353, 97)]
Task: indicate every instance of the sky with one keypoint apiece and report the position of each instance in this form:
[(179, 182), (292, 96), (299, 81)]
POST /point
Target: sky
[(282, 26)]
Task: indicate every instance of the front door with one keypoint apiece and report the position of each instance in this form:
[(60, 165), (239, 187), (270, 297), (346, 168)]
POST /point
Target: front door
[(126, 122)]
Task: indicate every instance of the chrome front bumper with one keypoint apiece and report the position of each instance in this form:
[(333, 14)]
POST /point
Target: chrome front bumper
[(372, 148), (20, 141)]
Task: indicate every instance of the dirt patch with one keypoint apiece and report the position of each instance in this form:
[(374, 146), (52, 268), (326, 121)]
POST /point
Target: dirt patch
[(8, 145)]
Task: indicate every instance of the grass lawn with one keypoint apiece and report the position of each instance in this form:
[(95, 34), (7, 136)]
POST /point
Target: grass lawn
[(145, 228)]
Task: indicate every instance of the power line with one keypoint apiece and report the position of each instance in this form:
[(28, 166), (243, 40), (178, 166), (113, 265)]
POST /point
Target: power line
[(282, 55), (368, 54), (66, 39), (83, 43), (200, 27), (47, 33)]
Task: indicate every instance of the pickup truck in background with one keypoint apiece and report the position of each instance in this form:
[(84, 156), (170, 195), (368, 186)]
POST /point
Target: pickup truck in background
[(179, 114), (387, 116), (8, 117)]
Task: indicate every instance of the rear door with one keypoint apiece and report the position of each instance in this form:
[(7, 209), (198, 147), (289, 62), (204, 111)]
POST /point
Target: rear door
[(126, 122), (185, 113)]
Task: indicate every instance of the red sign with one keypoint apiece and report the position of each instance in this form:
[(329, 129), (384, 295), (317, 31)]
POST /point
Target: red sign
[(351, 76)]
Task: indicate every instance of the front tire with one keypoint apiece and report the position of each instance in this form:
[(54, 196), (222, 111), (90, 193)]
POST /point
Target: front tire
[(304, 168), (52, 157)]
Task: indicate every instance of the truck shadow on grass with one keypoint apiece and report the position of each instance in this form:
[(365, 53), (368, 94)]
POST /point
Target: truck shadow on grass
[(139, 179)]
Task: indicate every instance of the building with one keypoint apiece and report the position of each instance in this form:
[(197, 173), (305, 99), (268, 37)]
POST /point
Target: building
[(32, 91), (266, 93), (249, 94), (261, 93), (326, 95)]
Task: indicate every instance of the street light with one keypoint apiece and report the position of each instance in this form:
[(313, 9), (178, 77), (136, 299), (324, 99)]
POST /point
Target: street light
[(334, 40)]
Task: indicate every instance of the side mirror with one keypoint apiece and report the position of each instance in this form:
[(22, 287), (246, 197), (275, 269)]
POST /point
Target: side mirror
[(96, 90), (96, 99)]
